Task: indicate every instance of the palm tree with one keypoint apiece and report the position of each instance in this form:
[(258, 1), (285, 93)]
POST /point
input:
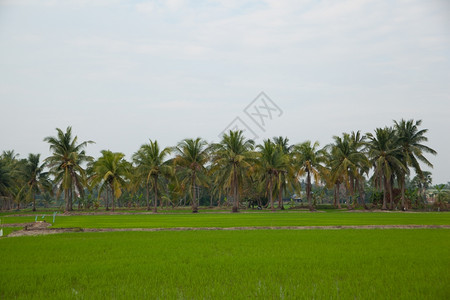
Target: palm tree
[(386, 157), (287, 176), (272, 161), (6, 183), (410, 139), (232, 157), (13, 174), (111, 171), (309, 159), (348, 162), (65, 163), (190, 160), (37, 180), (151, 165), (422, 183), (441, 195)]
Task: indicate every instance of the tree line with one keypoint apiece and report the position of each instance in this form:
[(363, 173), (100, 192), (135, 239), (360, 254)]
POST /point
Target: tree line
[(235, 170)]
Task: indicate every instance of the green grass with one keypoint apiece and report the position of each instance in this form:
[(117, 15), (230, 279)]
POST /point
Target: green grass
[(241, 219), (8, 230), (346, 264)]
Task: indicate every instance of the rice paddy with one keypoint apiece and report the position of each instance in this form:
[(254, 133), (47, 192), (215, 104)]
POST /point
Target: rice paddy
[(269, 264)]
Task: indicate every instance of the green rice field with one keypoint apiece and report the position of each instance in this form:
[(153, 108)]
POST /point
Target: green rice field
[(239, 220), (343, 264), (244, 264)]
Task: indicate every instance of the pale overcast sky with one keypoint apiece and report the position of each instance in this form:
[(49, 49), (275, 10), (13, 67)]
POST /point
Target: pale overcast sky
[(121, 72)]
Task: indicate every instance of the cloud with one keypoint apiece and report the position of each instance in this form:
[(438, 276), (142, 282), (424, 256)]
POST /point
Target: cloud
[(54, 3), (348, 64)]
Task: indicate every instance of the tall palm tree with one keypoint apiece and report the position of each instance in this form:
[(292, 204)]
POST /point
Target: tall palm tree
[(348, 162), (411, 141), (272, 161), (190, 160), (66, 162), (386, 157), (6, 183), (309, 159), (287, 176), (15, 174), (37, 180), (232, 157), (151, 164), (111, 171)]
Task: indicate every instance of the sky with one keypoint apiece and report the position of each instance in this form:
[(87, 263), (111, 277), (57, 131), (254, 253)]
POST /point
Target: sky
[(123, 72)]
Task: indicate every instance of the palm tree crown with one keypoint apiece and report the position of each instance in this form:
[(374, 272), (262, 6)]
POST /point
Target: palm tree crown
[(66, 161), (386, 157), (410, 139), (36, 179), (272, 162), (232, 158), (191, 157), (309, 159), (151, 164), (111, 171)]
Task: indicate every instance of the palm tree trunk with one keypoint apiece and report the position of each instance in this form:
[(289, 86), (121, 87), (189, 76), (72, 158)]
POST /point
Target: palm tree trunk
[(353, 183), (350, 200), (235, 192), (362, 194), (147, 196), (155, 184), (34, 201), (107, 198), (385, 190), (66, 197), (194, 204), (270, 194), (336, 187), (403, 193), (7, 202), (234, 187), (339, 195), (112, 197), (308, 189), (391, 196), (71, 198), (280, 199)]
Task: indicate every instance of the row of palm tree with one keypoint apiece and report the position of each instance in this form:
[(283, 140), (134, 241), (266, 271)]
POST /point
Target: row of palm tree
[(235, 167)]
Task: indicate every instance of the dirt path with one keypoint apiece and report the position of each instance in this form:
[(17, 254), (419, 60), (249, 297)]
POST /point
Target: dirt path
[(45, 231)]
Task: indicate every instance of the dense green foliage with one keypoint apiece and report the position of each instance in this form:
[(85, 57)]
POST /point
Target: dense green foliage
[(362, 264), (234, 172)]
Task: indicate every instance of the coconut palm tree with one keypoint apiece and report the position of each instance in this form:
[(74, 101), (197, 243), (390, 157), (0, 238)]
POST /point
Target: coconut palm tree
[(309, 160), (232, 158), (191, 157), (386, 157), (441, 195), (111, 171), (152, 164), (272, 161), (14, 174), (6, 183), (37, 180), (348, 162), (287, 176), (422, 183), (411, 141), (66, 162)]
